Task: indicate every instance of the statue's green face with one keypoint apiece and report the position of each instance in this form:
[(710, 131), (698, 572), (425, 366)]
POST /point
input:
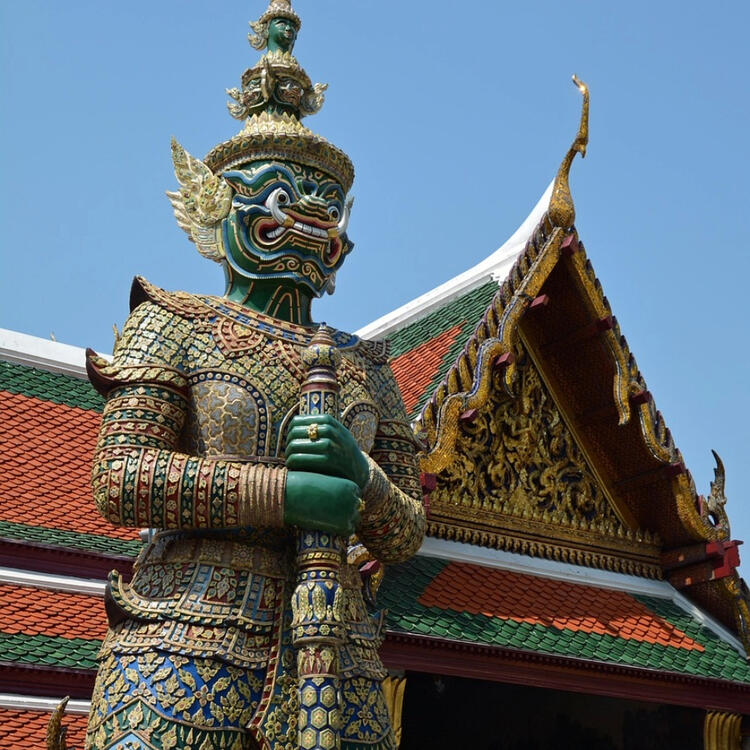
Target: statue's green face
[(282, 34), (287, 221)]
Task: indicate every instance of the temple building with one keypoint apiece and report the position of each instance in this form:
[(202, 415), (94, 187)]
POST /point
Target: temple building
[(574, 588)]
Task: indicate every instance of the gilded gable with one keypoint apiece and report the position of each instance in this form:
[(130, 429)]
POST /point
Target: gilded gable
[(521, 481)]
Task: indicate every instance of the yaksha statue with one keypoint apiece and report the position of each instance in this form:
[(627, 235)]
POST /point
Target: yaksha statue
[(254, 445)]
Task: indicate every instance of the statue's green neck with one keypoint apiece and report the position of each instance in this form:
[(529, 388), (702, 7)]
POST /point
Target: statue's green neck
[(273, 297)]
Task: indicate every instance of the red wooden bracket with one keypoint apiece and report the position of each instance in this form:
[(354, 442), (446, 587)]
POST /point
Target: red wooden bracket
[(503, 361), (605, 324), (675, 469), (700, 563), (640, 397), (538, 302), (569, 245), (469, 416), (429, 482)]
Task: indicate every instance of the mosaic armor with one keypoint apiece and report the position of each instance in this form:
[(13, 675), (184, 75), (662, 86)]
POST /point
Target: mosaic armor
[(200, 392), (252, 444)]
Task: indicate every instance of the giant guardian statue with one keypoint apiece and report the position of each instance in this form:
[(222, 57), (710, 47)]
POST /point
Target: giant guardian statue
[(269, 456)]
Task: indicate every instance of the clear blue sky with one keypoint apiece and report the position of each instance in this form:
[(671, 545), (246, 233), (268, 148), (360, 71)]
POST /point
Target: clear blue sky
[(456, 116)]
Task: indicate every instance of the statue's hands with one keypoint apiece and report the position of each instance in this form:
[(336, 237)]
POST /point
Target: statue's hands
[(317, 501), (333, 451)]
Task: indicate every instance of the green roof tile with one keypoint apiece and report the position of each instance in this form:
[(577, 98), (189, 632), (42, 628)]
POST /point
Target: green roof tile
[(49, 386), (467, 309), (49, 651), (404, 584), (71, 539), (400, 591)]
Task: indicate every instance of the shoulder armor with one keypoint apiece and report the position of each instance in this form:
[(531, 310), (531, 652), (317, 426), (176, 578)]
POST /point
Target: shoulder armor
[(182, 303), (105, 376)]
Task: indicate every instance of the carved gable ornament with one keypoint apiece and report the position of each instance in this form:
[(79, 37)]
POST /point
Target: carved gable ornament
[(520, 481)]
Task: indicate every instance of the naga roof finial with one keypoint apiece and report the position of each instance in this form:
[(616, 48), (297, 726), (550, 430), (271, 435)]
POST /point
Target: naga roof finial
[(561, 211)]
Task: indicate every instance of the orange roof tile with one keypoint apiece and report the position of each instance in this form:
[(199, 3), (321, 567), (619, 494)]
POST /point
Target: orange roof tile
[(48, 450), (27, 730), (416, 369), (34, 611), (461, 587)]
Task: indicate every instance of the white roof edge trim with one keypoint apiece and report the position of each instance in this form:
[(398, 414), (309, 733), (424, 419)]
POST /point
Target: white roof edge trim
[(67, 584), (536, 566), (53, 356), (495, 267), (48, 705)]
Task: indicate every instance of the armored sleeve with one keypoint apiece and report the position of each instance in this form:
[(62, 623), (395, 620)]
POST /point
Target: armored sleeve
[(139, 477), (393, 519)]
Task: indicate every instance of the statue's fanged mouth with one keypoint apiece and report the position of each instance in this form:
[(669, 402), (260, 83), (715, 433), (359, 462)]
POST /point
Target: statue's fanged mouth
[(298, 226)]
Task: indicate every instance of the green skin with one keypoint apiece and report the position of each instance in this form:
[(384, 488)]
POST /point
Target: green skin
[(325, 477), (282, 34), (256, 294)]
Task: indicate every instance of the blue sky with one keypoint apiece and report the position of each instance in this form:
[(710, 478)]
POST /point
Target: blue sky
[(456, 117)]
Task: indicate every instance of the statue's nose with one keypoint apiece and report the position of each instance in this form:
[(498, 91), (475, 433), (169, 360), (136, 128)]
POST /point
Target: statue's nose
[(314, 206)]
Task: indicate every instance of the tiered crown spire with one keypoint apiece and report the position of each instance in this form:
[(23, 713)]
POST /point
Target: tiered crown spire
[(274, 96)]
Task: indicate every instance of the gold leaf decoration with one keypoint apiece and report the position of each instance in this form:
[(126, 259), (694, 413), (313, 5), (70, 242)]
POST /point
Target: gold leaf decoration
[(519, 458)]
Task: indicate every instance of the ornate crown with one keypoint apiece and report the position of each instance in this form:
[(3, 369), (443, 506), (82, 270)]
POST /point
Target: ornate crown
[(274, 96)]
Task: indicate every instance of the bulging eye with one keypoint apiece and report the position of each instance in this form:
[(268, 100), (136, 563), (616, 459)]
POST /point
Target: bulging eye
[(334, 212), (276, 199)]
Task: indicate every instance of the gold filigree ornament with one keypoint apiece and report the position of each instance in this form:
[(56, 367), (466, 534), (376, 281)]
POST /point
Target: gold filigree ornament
[(562, 211), (704, 518), (472, 379), (203, 200), (55, 739), (268, 136)]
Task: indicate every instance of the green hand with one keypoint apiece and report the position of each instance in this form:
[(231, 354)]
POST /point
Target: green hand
[(316, 501), (334, 450)]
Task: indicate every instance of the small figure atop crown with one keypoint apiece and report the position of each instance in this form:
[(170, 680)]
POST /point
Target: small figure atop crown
[(277, 28), (277, 84)]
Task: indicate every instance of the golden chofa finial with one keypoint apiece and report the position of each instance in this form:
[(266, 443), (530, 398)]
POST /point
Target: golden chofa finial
[(562, 212)]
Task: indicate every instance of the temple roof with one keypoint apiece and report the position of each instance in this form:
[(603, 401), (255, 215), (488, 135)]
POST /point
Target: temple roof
[(51, 421), (428, 333), (635, 574), (475, 604), (24, 728), (450, 593)]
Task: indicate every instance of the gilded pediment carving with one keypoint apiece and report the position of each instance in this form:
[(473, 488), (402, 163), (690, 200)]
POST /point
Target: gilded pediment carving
[(519, 480)]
